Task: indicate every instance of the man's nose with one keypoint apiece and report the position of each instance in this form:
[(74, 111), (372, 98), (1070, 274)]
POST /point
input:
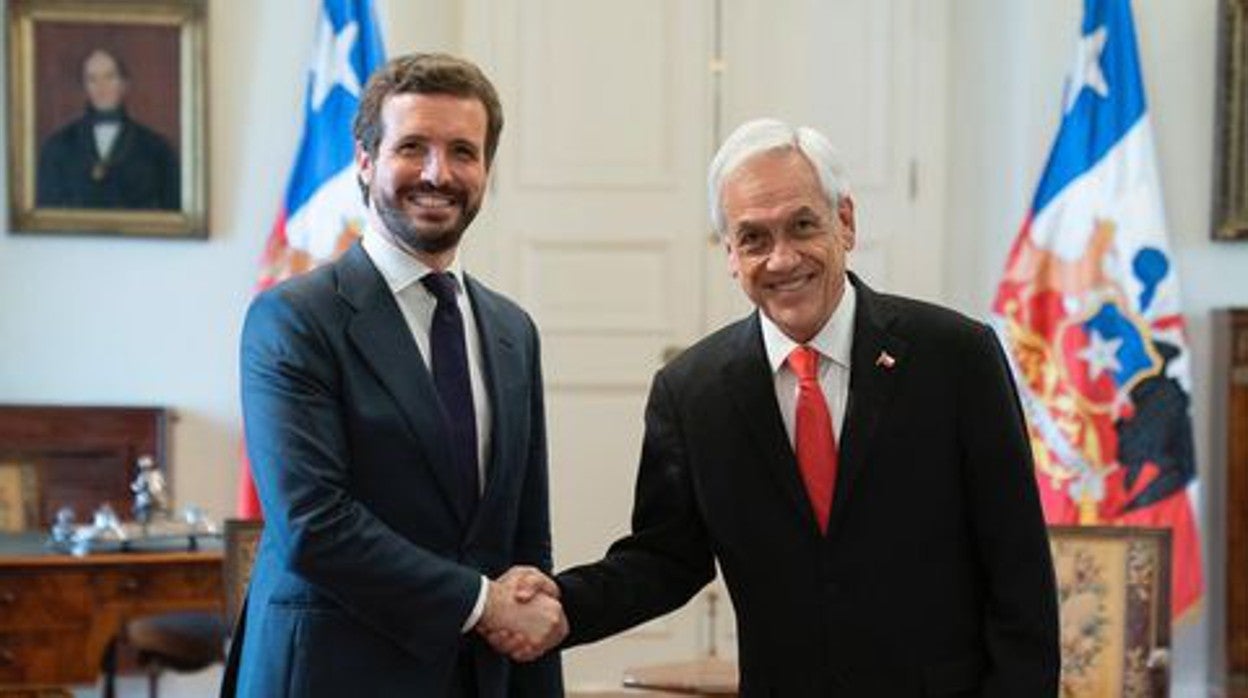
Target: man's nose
[(434, 170), (783, 256)]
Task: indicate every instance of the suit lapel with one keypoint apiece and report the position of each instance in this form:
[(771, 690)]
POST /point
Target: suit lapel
[(749, 379), (381, 336), (504, 371), (876, 359)]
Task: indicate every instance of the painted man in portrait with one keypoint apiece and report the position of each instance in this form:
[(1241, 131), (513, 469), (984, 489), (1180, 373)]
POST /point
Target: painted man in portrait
[(105, 159)]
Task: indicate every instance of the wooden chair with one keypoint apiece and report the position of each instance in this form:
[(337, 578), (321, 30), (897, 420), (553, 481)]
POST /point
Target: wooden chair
[(184, 641), (193, 641), (242, 537)]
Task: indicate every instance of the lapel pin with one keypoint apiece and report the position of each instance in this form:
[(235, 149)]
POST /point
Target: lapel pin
[(885, 359)]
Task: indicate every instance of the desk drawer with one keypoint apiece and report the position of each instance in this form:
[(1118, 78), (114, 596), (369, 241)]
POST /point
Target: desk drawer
[(45, 656), (200, 582), (43, 600)]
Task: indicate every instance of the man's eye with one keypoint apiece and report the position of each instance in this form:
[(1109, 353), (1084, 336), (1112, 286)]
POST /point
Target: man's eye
[(751, 241)]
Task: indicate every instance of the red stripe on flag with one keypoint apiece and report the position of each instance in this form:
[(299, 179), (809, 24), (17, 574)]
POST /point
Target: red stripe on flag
[(1169, 322), (248, 501)]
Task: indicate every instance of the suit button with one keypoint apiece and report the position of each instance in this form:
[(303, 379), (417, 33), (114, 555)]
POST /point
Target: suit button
[(831, 589)]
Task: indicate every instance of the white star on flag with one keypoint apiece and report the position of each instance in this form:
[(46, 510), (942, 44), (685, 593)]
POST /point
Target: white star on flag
[(1087, 69), (332, 65), (1101, 355)]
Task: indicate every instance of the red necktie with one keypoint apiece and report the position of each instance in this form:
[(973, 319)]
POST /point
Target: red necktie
[(816, 442)]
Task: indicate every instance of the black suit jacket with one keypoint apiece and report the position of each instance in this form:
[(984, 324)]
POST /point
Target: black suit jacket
[(934, 577), (367, 569)]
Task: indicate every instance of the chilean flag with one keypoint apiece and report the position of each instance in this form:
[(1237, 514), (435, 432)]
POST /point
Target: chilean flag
[(322, 212), (1088, 309)]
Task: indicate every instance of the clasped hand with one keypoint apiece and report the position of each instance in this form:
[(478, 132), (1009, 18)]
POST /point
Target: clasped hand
[(523, 618)]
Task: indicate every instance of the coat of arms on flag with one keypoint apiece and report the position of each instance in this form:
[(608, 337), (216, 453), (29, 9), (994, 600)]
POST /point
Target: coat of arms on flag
[(1089, 312), (323, 211)]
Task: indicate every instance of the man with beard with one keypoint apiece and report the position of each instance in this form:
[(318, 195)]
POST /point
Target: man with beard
[(394, 420), (105, 159)]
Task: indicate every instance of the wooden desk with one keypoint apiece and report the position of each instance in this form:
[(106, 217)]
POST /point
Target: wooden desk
[(58, 612)]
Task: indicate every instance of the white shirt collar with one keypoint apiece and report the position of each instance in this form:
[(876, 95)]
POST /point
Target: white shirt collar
[(397, 267), (105, 136), (834, 340)]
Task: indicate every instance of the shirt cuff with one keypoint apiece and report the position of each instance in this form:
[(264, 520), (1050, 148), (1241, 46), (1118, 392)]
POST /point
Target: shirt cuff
[(478, 609)]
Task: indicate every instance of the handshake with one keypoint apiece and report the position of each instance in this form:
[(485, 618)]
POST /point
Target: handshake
[(523, 618)]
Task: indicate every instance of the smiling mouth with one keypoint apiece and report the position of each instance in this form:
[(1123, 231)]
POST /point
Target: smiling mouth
[(433, 201), (790, 285)]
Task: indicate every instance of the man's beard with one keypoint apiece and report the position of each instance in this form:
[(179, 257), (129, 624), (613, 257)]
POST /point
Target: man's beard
[(401, 225)]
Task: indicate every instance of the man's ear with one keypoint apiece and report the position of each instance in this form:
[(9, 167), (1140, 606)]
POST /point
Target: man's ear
[(363, 171), (363, 164), (845, 214)]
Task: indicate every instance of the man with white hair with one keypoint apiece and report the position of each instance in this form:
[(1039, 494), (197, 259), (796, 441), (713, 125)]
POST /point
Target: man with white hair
[(857, 463)]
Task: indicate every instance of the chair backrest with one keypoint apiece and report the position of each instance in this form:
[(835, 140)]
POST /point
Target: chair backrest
[(242, 536), (1113, 587)]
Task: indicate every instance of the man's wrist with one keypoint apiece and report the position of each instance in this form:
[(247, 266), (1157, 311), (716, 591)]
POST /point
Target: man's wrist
[(478, 609)]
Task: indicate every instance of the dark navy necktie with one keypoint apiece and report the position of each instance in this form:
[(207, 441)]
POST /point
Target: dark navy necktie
[(449, 362)]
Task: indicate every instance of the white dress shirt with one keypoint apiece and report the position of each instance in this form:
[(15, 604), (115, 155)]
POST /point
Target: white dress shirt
[(402, 274), (833, 342)]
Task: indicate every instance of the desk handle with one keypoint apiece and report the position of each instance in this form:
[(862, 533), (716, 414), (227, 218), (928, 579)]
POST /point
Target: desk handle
[(7, 658), (130, 585), (8, 598)]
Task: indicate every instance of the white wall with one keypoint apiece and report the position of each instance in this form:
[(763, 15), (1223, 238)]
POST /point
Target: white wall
[(1007, 65)]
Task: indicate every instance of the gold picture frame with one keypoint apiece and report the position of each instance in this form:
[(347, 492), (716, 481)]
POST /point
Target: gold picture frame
[(1231, 149), (107, 118), (1114, 604)]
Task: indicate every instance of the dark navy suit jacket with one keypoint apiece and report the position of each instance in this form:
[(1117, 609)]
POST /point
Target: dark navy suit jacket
[(934, 577), (367, 570)]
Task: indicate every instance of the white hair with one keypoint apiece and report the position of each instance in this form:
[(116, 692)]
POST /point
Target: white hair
[(772, 135)]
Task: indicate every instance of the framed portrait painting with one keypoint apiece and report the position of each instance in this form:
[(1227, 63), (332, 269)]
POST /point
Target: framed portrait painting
[(106, 117), (1230, 220)]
